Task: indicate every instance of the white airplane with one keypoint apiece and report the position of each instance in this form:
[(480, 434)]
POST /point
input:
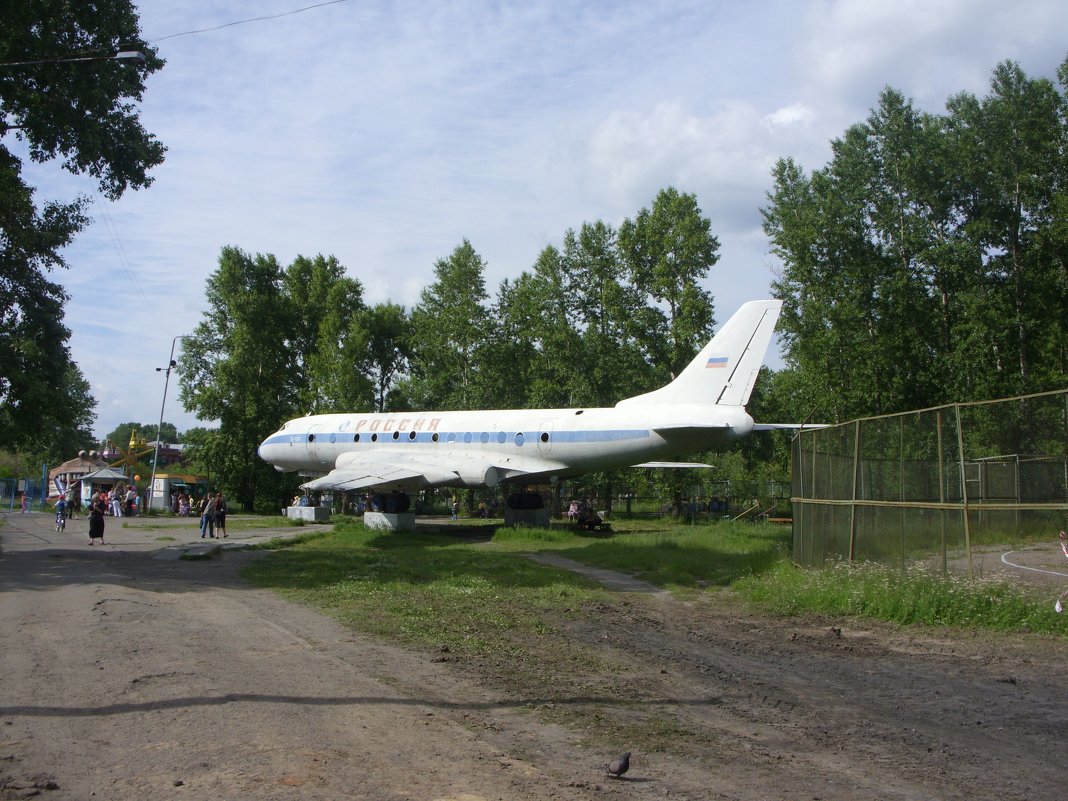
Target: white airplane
[(704, 407)]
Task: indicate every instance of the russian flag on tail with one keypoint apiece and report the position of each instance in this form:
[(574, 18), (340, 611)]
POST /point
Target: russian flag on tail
[(716, 362)]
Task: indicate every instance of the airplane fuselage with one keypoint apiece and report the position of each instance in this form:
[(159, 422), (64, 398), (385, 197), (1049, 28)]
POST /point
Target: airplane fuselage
[(520, 442), (701, 409)]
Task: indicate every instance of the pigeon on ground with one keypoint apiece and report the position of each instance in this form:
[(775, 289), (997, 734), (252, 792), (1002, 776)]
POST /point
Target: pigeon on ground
[(617, 767)]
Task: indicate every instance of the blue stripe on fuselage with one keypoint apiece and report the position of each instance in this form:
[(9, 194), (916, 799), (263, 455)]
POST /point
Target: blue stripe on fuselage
[(345, 438)]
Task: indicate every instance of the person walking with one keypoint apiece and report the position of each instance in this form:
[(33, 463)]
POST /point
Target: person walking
[(220, 515), (72, 499), (96, 523), (207, 517)]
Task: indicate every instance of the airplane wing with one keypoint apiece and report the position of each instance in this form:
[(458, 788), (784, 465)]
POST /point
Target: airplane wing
[(370, 476), (402, 472)]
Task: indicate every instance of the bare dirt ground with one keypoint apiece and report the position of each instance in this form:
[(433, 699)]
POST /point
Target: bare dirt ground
[(124, 675)]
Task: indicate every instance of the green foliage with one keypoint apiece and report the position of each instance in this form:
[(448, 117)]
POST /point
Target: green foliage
[(327, 335), (928, 246), (534, 357), (237, 368), (388, 348), (668, 251), (84, 114), (906, 597), (609, 316), (276, 343), (450, 330)]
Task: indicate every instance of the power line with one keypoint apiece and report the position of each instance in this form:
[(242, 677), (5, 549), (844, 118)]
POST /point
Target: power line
[(124, 260), (251, 19)]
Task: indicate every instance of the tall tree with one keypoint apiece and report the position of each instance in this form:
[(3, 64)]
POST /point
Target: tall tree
[(388, 348), (66, 426), (669, 250), (608, 312), (238, 368), (536, 350), (928, 246), (450, 325), (1016, 139), (327, 335), (83, 112)]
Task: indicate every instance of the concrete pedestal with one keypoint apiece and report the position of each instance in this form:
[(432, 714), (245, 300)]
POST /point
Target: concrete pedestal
[(389, 521), (309, 514)]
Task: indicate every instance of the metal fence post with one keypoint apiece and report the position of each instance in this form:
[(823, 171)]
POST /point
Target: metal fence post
[(941, 491), (964, 493), (853, 505)]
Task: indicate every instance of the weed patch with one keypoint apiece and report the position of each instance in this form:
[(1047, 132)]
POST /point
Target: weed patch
[(900, 596)]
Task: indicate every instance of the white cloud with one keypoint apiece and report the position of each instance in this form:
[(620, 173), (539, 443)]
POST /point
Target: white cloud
[(795, 115)]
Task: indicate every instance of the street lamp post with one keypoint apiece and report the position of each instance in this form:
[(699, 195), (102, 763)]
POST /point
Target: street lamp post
[(125, 57), (171, 364)]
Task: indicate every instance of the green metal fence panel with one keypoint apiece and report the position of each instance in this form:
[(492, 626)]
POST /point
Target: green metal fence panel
[(934, 486)]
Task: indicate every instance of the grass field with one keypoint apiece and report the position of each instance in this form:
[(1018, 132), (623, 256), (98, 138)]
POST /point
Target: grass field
[(478, 593)]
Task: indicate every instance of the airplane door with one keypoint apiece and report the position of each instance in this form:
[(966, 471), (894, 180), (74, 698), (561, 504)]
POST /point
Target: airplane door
[(545, 436)]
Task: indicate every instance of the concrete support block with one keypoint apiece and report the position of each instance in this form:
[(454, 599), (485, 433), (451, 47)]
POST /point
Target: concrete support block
[(389, 521), (309, 514)]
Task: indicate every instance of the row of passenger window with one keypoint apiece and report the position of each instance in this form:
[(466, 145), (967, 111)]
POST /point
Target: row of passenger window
[(467, 437)]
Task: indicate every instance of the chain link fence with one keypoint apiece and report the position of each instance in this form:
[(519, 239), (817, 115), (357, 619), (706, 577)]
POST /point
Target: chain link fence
[(932, 485)]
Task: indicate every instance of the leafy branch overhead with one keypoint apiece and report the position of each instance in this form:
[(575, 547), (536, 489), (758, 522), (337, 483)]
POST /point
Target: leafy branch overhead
[(84, 114)]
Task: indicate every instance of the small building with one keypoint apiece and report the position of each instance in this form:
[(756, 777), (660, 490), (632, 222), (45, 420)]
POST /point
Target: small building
[(102, 480), (70, 473), (168, 485)]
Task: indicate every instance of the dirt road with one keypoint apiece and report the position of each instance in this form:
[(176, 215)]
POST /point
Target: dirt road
[(124, 675)]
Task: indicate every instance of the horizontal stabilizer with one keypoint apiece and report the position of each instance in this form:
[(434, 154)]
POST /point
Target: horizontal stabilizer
[(668, 465), (787, 426)]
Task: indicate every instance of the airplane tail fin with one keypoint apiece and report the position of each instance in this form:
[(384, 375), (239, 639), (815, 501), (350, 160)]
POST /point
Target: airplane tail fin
[(726, 369)]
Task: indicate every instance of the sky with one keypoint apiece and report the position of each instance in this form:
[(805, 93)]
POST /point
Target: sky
[(385, 133)]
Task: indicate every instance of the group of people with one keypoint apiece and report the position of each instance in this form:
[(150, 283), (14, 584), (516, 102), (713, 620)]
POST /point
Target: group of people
[(581, 513), (212, 509), (213, 516), (121, 502), (181, 504)]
